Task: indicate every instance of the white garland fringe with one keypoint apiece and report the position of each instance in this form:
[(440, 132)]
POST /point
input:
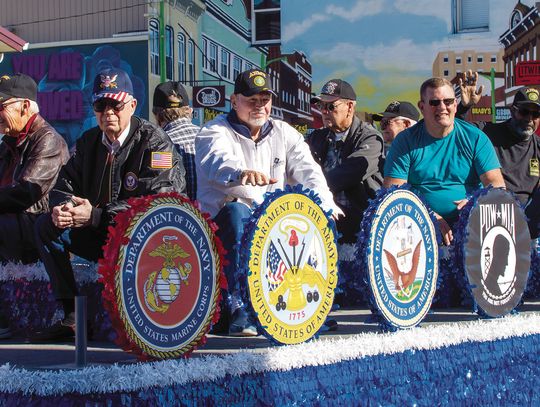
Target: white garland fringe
[(325, 351), (85, 272)]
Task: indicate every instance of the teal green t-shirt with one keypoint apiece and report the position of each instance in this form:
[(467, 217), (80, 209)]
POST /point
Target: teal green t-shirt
[(441, 170)]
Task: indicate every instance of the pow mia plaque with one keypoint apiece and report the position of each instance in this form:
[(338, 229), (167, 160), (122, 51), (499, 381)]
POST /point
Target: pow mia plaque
[(497, 252)]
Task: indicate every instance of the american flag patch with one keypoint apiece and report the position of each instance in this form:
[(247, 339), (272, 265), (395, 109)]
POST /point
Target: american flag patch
[(161, 160)]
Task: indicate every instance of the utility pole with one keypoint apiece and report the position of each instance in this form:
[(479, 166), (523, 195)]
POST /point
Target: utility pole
[(491, 78), (162, 73)]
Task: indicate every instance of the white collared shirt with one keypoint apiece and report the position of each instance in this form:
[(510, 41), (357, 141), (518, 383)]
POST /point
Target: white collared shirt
[(116, 144)]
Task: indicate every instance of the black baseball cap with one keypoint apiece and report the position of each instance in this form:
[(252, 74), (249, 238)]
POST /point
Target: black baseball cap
[(398, 109), (17, 86), (526, 96), (170, 94), (249, 83), (335, 89)]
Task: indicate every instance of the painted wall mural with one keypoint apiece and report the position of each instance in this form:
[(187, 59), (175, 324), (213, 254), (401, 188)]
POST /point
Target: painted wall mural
[(65, 77), (384, 48)]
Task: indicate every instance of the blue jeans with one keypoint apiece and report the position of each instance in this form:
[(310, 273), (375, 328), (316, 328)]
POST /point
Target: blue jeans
[(231, 221), (54, 247)]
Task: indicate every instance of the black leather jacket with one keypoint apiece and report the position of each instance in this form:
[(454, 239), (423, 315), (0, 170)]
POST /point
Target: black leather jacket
[(37, 160), (358, 174), (132, 174)]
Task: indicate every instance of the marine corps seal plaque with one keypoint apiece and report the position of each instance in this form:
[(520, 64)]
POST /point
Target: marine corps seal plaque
[(161, 271)]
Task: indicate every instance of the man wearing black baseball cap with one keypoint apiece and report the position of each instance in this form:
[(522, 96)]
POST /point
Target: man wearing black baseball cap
[(173, 114), (350, 152), (239, 157), (31, 155), (516, 144), (113, 162), (397, 117)]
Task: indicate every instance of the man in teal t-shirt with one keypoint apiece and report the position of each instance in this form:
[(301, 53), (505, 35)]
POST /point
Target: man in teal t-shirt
[(443, 158)]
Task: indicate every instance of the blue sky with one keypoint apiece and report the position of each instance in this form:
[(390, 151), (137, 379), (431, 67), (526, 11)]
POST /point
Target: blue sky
[(384, 48)]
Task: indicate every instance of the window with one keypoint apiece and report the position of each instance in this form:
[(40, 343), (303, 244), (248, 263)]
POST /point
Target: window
[(470, 15), (494, 58), (469, 58), (445, 58), (169, 52), (205, 53), (480, 59), (181, 57), (266, 22), (154, 46), (224, 63), (458, 60), (212, 57), (445, 72), (237, 66), (191, 60)]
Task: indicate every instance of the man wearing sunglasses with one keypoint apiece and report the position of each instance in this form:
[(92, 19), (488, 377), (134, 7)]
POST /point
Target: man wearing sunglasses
[(397, 117), (350, 152), (443, 158), (515, 142), (123, 157), (31, 155), (239, 157)]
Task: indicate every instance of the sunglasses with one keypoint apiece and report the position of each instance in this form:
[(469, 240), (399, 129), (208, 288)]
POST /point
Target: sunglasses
[(437, 102), (387, 122), (3, 105), (328, 106), (535, 114), (103, 104)]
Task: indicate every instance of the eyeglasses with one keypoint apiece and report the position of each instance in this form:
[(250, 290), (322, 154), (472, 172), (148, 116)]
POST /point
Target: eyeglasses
[(103, 104), (328, 106), (387, 122), (535, 114), (436, 102), (3, 105)]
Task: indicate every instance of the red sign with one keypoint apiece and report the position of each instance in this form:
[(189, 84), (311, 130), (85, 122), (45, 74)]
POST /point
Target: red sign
[(209, 96), (528, 73)]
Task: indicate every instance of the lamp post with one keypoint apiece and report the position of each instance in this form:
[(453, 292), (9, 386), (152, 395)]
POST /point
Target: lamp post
[(491, 78)]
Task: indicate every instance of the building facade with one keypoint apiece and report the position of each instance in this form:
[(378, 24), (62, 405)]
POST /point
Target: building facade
[(521, 43)]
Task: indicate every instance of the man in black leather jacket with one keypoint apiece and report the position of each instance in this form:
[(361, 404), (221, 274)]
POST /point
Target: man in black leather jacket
[(31, 155), (351, 154), (124, 157)]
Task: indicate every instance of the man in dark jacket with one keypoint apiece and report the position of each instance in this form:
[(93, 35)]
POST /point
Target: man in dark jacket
[(515, 142), (124, 157), (31, 155), (350, 152)]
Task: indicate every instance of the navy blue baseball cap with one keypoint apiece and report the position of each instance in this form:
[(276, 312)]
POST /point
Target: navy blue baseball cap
[(112, 83)]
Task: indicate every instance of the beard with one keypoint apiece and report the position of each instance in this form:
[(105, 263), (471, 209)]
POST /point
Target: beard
[(257, 122), (522, 129)]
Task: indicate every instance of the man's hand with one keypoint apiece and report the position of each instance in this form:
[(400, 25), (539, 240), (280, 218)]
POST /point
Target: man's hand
[(61, 217), (252, 177), (446, 232), (81, 213), (461, 203), (467, 81)]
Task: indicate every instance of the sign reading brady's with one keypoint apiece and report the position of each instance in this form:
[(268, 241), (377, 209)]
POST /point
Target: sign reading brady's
[(293, 268), (402, 259), (167, 279), (497, 252)]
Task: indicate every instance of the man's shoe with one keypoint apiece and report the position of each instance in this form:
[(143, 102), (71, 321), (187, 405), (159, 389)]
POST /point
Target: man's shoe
[(5, 331), (61, 331), (241, 325)]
